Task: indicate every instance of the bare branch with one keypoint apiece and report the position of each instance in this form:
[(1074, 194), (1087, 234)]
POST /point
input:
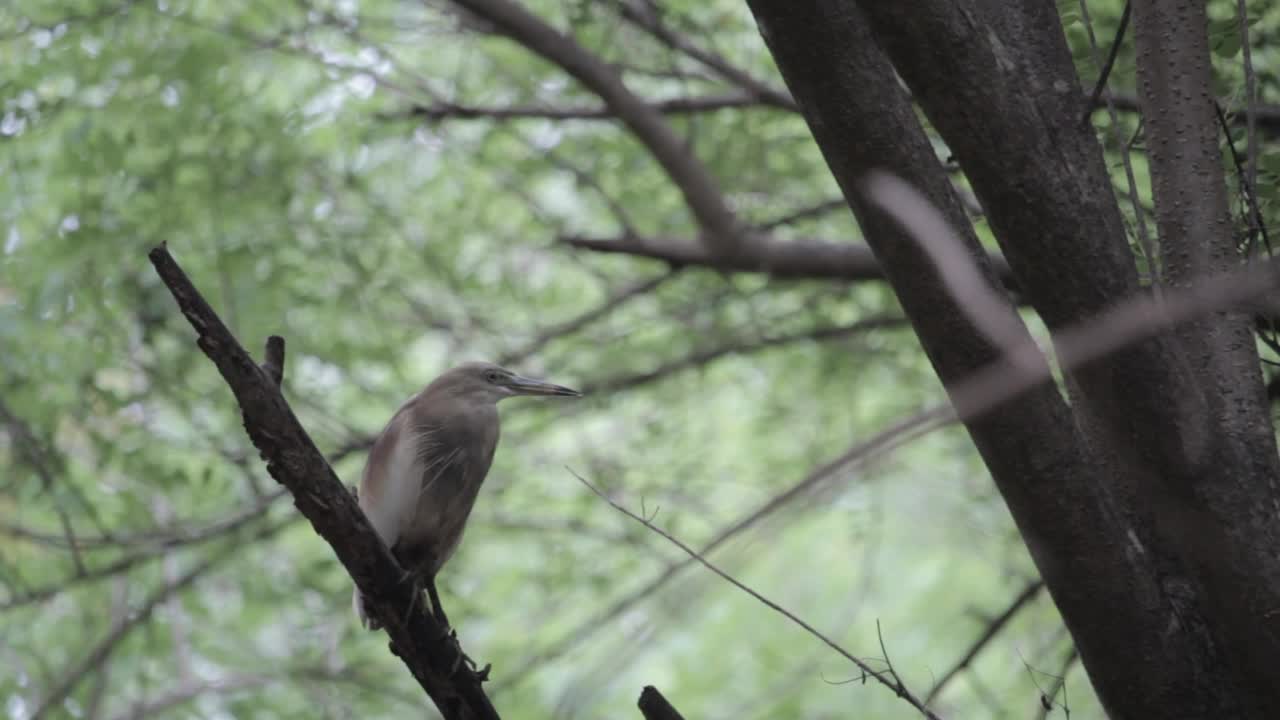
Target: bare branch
[(783, 259), (1251, 97), (187, 691), (169, 537), (651, 23), (993, 628), (1049, 699), (700, 358), (989, 387), (1104, 67), (720, 230), (1145, 240), (575, 324), (107, 645), (293, 460), (805, 213), (892, 436), (45, 463), (887, 678), (442, 111), (655, 707), (1266, 117)]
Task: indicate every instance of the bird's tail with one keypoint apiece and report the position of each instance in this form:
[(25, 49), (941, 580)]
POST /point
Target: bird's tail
[(357, 603)]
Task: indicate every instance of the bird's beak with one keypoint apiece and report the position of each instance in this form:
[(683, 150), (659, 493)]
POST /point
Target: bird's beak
[(528, 386)]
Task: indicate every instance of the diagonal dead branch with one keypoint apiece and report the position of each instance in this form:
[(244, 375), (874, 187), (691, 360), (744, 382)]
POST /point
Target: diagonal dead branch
[(295, 462), (651, 22), (655, 707), (701, 191), (441, 111), (993, 628), (888, 678), (800, 258)]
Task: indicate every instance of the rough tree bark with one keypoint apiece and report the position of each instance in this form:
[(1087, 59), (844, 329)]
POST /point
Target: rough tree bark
[(435, 660), (1150, 505), (293, 460), (1232, 543)]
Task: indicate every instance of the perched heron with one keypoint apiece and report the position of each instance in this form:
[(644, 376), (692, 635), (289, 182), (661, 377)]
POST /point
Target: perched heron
[(426, 467)]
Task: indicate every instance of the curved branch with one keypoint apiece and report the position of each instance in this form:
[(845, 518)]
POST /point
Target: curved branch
[(993, 628), (652, 23), (112, 639), (295, 462), (441, 111), (803, 258), (620, 383), (700, 189)]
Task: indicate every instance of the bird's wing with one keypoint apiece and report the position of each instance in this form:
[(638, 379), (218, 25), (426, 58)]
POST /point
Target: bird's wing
[(439, 471), (387, 485), (436, 457)]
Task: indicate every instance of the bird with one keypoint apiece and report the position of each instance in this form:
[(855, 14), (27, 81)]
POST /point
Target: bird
[(425, 469)]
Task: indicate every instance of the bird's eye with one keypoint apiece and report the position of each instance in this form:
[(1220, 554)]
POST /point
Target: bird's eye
[(493, 376)]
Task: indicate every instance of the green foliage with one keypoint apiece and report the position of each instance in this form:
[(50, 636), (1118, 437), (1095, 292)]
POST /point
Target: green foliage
[(270, 146)]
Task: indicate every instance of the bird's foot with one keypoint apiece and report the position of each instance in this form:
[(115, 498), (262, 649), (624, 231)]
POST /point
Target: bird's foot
[(461, 657), (414, 597)]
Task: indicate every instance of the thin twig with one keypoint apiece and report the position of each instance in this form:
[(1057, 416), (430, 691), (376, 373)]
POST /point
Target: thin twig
[(1252, 210), (1049, 699), (160, 549), (445, 111), (699, 358), (886, 440), (1251, 96), (651, 23), (1128, 321), (577, 323), (1139, 215), (993, 628), (170, 536), (701, 191), (805, 213), (103, 649), (887, 678), (1105, 71)]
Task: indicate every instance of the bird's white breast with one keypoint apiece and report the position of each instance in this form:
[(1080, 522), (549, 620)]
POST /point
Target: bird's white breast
[(391, 509)]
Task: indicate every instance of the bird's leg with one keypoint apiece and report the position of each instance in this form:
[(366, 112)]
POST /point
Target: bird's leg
[(452, 634), (461, 657), (436, 608), (416, 580)]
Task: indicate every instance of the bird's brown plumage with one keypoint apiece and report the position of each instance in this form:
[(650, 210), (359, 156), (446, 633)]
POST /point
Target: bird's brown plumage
[(426, 468)]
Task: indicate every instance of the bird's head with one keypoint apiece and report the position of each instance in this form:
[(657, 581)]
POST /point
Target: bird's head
[(482, 381)]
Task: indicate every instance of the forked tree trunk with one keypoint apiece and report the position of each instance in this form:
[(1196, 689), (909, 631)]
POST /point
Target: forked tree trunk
[(1150, 505)]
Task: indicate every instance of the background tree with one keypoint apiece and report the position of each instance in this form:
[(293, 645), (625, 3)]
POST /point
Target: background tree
[(629, 196)]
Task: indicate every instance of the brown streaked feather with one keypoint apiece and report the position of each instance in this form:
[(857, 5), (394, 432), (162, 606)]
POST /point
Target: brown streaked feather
[(453, 447), (425, 470)]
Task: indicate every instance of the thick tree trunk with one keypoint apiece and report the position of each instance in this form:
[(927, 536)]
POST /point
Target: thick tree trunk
[(863, 120), (1232, 550), (1142, 486)]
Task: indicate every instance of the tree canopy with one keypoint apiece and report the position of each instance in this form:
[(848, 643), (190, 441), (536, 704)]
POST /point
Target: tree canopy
[(397, 187)]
